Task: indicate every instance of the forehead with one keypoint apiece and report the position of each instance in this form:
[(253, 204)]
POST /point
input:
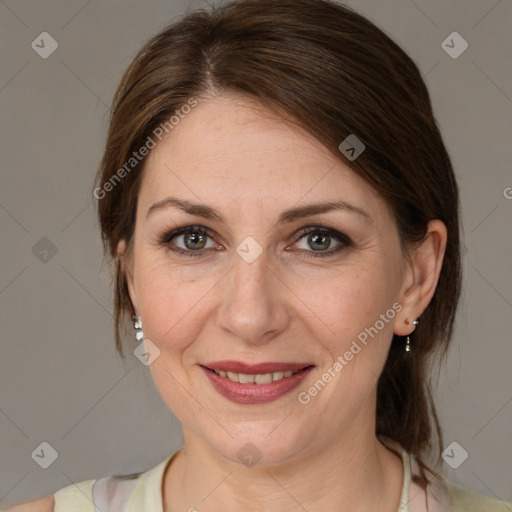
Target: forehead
[(233, 148)]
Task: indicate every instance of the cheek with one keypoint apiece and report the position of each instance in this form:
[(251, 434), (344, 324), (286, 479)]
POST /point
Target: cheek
[(351, 299), (173, 304), (171, 301), (357, 306)]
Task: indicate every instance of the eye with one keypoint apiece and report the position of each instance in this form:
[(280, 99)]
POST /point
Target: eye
[(321, 239), (192, 239)]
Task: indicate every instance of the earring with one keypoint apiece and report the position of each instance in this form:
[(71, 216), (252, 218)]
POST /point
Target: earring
[(137, 324), (408, 346)]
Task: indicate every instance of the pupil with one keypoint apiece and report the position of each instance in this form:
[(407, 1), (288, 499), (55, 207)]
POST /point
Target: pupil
[(314, 239), (195, 238)]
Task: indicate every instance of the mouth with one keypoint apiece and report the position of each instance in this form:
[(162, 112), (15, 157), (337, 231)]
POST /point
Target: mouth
[(255, 384), (256, 378)]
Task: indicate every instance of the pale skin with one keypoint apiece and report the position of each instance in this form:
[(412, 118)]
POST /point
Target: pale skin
[(233, 155), (250, 166)]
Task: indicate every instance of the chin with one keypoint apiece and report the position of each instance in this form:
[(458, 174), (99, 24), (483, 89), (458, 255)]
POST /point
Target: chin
[(259, 444)]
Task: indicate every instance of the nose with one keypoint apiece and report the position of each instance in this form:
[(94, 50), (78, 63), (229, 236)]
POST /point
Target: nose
[(253, 308)]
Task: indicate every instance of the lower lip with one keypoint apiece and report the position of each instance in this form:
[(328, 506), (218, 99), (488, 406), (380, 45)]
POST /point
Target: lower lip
[(255, 393)]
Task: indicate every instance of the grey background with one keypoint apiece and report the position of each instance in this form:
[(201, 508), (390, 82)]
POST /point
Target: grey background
[(60, 379)]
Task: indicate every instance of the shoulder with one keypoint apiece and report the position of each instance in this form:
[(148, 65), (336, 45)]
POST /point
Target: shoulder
[(44, 504), (136, 490), (462, 500), (76, 497)]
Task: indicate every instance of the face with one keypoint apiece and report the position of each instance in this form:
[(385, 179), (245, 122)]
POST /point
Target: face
[(320, 289)]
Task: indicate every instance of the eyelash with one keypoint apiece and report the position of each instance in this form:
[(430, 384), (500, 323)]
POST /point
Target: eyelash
[(344, 240)]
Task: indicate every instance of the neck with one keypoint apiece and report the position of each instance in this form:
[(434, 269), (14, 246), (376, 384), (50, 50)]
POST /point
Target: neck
[(355, 473)]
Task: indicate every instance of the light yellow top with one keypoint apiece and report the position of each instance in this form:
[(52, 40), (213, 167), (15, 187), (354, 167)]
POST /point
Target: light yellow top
[(146, 495)]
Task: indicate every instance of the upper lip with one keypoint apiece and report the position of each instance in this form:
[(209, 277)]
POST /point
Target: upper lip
[(254, 369)]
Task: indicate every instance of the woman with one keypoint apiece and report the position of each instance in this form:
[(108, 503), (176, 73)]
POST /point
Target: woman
[(284, 220)]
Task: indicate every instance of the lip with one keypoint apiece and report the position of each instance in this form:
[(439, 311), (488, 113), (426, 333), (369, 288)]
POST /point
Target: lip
[(251, 394), (254, 369)]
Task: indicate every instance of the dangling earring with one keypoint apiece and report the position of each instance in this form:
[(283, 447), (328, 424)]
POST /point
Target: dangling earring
[(408, 346), (137, 324)]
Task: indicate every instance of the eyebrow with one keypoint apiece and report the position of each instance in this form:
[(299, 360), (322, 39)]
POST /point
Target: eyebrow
[(288, 216)]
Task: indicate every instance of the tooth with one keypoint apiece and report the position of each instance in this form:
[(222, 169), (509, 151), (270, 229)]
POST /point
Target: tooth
[(260, 378), (263, 378), (233, 376), (245, 378)]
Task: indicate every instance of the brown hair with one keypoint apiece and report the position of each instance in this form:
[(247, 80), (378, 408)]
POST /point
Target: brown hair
[(334, 73)]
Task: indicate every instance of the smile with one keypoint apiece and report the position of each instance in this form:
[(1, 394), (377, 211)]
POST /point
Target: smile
[(258, 384), (259, 378)]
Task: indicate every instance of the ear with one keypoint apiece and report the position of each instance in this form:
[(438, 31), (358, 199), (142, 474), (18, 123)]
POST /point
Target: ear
[(421, 276), (126, 261)]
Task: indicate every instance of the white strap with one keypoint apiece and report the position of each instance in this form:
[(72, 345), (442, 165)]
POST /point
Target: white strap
[(111, 494)]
